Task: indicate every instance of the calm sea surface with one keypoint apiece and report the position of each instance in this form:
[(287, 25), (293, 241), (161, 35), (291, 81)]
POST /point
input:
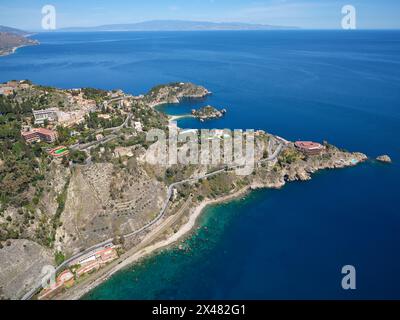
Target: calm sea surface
[(339, 86)]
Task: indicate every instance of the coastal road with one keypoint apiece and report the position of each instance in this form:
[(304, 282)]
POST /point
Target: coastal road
[(94, 143), (170, 189), (116, 129), (106, 139), (176, 184)]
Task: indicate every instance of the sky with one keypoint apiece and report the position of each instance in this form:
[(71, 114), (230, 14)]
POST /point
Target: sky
[(307, 14)]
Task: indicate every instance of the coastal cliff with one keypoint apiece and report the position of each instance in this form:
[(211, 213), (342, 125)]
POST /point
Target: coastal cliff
[(109, 191), (182, 219), (174, 93)]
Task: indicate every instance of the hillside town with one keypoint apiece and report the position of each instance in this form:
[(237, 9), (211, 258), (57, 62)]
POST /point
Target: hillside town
[(81, 115)]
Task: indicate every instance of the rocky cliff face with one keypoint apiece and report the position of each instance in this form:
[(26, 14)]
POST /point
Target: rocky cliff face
[(21, 263), (292, 165), (101, 201), (105, 201)]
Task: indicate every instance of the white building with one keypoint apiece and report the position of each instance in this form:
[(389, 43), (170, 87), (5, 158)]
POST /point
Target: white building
[(138, 126), (46, 114)]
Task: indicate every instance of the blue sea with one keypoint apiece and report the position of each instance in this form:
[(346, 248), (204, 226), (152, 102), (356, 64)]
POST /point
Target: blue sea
[(339, 86)]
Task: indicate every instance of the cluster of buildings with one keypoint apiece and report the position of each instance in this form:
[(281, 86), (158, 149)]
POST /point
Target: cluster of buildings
[(77, 116), (65, 118), (78, 99), (6, 91), (78, 268), (94, 260), (309, 147), (69, 118), (9, 87), (119, 100), (38, 134)]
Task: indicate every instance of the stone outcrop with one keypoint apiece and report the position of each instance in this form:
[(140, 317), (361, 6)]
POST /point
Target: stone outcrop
[(384, 158)]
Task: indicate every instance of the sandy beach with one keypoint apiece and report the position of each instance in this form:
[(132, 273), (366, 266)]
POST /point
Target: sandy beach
[(133, 255), (183, 230)]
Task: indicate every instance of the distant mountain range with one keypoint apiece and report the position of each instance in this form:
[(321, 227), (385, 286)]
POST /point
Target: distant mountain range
[(177, 25)]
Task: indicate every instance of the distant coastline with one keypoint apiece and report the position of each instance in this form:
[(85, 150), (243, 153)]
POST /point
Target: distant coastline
[(8, 52), (16, 43), (178, 25)]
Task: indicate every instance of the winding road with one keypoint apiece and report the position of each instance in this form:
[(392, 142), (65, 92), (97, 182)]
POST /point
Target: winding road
[(170, 189)]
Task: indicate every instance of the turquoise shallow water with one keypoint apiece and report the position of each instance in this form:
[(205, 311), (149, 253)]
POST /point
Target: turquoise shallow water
[(139, 280), (343, 87)]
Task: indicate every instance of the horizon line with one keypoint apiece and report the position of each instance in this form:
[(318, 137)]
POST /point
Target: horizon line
[(227, 30)]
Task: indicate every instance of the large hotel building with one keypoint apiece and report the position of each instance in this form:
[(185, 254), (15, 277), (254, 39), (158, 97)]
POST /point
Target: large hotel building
[(309, 147), (37, 134)]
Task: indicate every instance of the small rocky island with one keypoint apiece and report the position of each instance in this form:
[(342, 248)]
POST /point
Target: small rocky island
[(384, 158), (208, 113)]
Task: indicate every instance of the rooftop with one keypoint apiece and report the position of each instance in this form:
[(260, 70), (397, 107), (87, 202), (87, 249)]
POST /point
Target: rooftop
[(308, 145)]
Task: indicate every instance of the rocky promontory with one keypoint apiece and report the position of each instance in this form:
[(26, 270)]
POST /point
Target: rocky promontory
[(174, 93)]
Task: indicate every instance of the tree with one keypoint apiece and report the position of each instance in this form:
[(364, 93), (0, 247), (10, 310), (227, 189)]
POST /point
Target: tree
[(78, 157), (63, 134), (59, 257)]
